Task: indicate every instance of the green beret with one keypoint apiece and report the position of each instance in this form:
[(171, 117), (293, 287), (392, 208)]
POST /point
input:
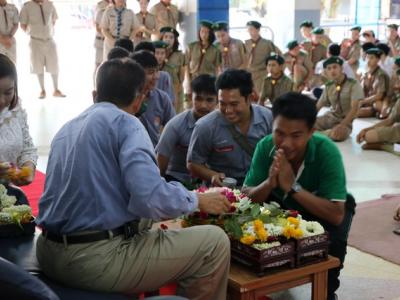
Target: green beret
[(160, 44), (274, 56), (358, 28), (374, 51), (206, 23), (307, 24), (393, 26), (169, 29), (255, 24), (318, 30), (221, 25), (397, 61), (292, 44), (333, 60)]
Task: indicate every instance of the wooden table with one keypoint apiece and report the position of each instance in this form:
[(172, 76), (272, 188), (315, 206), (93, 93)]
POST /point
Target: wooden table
[(246, 285)]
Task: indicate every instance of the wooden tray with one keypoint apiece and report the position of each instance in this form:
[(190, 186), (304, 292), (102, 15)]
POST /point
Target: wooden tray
[(14, 230), (312, 249)]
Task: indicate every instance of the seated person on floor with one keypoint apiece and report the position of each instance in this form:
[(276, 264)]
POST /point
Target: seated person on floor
[(157, 108), (17, 149), (276, 83), (386, 62), (375, 83), (383, 135), (303, 171), (223, 142), (102, 179), (342, 95), (174, 141)]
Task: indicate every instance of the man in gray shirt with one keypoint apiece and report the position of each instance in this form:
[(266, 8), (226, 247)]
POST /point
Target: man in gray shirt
[(174, 142), (223, 142)]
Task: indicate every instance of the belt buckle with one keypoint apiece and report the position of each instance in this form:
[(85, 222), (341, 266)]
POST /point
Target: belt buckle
[(130, 229)]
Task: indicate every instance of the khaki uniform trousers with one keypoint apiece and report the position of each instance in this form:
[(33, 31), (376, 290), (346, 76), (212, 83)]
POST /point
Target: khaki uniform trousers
[(389, 134), (326, 123), (197, 258), (43, 55)]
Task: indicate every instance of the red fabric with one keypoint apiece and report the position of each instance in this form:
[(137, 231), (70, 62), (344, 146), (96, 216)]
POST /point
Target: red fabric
[(34, 191)]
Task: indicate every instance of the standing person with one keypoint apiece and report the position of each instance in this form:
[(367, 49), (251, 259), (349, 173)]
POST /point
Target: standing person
[(202, 56), (147, 23), (174, 141), (258, 49), (176, 62), (386, 62), (166, 13), (233, 51), (9, 20), (276, 83), (117, 22), (305, 30), (369, 37), (353, 49), (38, 18), (102, 179), (315, 49), (99, 39), (393, 39)]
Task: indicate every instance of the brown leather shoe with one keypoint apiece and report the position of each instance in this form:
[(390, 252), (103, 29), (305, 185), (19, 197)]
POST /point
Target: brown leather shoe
[(58, 94), (42, 94)]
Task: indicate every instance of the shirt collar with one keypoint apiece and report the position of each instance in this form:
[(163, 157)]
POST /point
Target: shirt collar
[(191, 120)]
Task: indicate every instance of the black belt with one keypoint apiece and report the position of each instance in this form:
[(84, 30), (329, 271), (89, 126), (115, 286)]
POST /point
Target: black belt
[(40, 39), (99, 38), (129, 230)]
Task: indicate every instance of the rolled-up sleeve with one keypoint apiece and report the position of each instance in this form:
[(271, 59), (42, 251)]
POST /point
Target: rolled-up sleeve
[(150, 195)]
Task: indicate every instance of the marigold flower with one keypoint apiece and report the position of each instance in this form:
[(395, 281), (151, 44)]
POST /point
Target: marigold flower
[(262, 235), (24, 172), (258, 225), (247, 239), (298, 233), (288, 231), (293, 221)]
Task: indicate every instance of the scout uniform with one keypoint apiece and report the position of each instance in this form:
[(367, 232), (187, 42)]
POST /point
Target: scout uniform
[(8, 20), (257, 52), (212, 142), (203, 60), (391, 134), (174, 144), (147, 20), (302, 61), (355, 51), (121, 23), (166, 15), (40, 18), (396, 42), (338, 96), (233, 54), (317, 52), (158, 111), (99, 40), (275, 87)]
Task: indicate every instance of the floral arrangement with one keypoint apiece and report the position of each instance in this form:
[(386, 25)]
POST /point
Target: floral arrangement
[(11, 213), (14, 173), (259, 226)]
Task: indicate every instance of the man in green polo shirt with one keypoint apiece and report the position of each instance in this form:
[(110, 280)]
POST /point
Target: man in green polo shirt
[(303, 171)]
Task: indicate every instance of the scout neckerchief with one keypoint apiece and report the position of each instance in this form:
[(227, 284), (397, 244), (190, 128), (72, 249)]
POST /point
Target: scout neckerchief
[(371, 79), (169, 12), (42, 13), (293, 63), (119, 12), (339, 88), (144, 15), (253, 50), (203, 52), (5, 14), (274, 82), (225, 54)]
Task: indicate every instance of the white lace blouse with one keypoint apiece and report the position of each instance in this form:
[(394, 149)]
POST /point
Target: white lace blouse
[(16, 144)]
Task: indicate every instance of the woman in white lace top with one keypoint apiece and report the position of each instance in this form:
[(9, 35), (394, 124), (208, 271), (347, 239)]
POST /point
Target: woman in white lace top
[(16, 146)]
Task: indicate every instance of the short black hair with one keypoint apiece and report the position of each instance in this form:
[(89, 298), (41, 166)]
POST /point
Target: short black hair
[(204, 83), (124, 43), (148, 46), (334, 49), (367, 46), (145, 58), (117, 52), (235, 79), (119, 81), (384, 48), (295, 106)]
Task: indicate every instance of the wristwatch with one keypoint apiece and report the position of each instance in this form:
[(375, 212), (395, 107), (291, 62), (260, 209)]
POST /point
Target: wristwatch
[(296, 187)]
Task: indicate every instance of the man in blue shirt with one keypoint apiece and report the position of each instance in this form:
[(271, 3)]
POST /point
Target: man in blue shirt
[(157, 107), (223, 142), (174, 142), (102, 178)]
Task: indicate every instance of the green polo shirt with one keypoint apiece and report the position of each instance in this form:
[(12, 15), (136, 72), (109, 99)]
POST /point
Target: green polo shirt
[(323, 173)]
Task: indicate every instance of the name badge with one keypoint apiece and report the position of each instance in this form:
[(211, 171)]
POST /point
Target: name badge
[(224, 149)]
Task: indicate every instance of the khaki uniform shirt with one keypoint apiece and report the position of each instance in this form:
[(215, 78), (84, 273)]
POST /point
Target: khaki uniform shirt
[(167, 16), (39, 27), (339, 97), (10, 12), (262, 49), (202, 61), (100, 8), (273, 88), (375, 83), (233, 54), (395, 113), (129, 22), (149, 21), (315, 52), (355, 53), (173, 65), (396, 45)]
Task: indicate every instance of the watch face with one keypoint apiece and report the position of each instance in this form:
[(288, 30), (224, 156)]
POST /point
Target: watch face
[(296, 187)]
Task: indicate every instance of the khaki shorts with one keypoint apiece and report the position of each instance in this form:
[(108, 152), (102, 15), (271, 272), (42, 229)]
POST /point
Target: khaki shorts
[(389, 134), (328, 121), (43, 55)]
